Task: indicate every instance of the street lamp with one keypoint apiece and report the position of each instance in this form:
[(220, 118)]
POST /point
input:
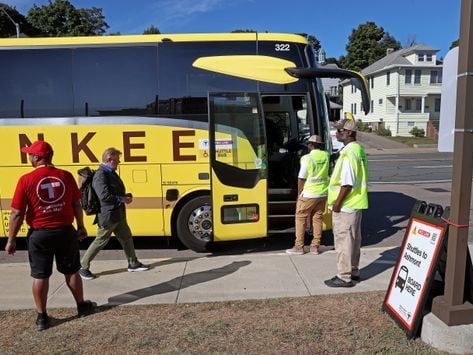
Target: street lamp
[(17, 26)]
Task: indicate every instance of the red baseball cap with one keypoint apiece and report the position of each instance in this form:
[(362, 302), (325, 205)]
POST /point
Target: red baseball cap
[(39, 148)]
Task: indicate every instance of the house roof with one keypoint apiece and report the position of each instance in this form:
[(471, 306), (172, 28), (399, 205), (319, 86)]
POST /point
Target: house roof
[(396, 58)]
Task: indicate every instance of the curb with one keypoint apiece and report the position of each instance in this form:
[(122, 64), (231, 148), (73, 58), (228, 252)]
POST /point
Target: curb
[(425, 145)]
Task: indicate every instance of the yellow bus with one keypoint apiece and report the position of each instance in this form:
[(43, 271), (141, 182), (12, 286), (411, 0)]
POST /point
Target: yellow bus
[(211, 126)]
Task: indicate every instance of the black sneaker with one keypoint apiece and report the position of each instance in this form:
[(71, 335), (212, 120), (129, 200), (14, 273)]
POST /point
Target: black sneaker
[(85, 308), (42, 321), (138, 267), (338, 282), (86, 274), (355, 278)]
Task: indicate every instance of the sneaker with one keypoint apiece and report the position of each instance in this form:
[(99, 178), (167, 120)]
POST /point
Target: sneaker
[(295, 251), (338, 282), (138, 267), (355, 278), (85, 308), (314, 250), (42, 321), (86, 274)]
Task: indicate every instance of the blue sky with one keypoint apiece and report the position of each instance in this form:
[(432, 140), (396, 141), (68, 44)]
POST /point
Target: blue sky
[(431, 22)]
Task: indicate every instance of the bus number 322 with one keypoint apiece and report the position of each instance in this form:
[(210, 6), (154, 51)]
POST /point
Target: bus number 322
[(282, 47)]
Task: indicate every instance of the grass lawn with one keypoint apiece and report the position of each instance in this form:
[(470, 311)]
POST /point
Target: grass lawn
[(410, 141), (333, 324)]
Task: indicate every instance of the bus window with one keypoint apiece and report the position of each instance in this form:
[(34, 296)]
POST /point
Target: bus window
[(288, 51), (115, 81), (35, 83), (183, 89)]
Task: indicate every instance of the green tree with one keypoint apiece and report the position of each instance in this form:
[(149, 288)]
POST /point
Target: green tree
[(61, 18), (388, 41), (7, 28), (367, 44), (152, 30), (314, 43), (332, 60), (455, 43)]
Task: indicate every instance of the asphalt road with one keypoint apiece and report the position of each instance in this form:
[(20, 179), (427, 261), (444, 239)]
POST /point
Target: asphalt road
[(410, 168)]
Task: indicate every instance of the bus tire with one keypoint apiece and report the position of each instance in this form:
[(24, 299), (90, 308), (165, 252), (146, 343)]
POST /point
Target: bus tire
[(194, 224)]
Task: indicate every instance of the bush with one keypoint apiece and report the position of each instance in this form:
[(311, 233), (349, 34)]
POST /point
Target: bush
[(363, 127), (384, 132), (417, 132)]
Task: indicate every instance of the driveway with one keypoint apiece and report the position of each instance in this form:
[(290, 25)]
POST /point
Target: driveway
[(373, 141)]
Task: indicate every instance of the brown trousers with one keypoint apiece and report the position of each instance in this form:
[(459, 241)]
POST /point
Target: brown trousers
[(305, 207)]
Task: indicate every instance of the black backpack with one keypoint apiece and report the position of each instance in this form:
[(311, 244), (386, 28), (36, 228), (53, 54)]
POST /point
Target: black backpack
[(89, 199)]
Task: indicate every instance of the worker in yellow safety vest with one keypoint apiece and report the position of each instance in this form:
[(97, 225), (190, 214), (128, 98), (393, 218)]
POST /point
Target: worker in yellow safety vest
[(312, 195), (347, 197)]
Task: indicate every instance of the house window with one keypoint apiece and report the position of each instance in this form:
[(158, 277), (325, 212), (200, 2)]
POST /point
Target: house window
[(380, 101), (411, 124), (428, 57), (408, 76), (408, 104), (435, 76), (372, 82), (351, 108), (417, 74), (354, 109), (388, 78), (352, 88), (437, 105), (420, 57), (418, 105), (372, 106)]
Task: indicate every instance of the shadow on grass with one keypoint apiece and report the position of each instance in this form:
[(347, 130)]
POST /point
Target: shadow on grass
[(178, 283)]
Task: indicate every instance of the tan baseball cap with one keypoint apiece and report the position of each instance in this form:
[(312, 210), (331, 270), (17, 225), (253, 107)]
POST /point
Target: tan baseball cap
[(349, 125), (315, 139)]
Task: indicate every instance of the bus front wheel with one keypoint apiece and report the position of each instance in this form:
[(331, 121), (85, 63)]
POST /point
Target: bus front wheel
[(194, 224)]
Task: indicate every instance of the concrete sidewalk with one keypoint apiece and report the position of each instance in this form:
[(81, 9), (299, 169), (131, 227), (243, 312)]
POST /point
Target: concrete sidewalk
[(203, 279)]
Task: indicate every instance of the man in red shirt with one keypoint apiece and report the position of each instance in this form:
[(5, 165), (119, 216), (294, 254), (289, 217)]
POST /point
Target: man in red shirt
[(49, 199)]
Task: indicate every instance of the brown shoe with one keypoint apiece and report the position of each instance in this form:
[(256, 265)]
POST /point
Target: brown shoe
[(295, 251), (314, 250)]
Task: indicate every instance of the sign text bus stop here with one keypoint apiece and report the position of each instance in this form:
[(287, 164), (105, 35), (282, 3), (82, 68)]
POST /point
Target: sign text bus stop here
[(414, 271)]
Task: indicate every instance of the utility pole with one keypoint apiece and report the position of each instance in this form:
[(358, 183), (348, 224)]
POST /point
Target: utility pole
[(451, 308), (17, 25)]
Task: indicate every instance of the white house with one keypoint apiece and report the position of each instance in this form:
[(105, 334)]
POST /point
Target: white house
[(405, 90)]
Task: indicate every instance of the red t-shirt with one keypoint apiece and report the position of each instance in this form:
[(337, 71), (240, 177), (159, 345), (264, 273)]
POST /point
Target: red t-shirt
[(46, 194)]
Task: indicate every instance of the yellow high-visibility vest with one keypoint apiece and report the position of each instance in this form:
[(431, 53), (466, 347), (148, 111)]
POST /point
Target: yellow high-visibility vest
[(357, 199), (317, 172)]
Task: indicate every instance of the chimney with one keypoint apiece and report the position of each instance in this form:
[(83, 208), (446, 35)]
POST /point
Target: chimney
[(389, 51)]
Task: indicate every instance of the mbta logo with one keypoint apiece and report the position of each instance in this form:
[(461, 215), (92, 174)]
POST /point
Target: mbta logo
[(50, 189)]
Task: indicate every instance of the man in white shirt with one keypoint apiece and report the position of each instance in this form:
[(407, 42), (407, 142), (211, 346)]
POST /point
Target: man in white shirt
[(347, 197), (312, 195)]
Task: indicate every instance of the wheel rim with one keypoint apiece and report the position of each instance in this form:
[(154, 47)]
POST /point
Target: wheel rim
[(200, 223)]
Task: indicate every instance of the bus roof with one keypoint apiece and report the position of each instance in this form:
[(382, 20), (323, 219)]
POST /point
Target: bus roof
[(136, 39)]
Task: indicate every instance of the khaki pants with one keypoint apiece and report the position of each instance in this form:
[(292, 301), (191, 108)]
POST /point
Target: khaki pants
[(123, 234), (347, 237), (304, 208)]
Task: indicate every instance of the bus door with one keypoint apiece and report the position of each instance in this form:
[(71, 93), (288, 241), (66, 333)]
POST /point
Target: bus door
[(287, 127), (238, 165)]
